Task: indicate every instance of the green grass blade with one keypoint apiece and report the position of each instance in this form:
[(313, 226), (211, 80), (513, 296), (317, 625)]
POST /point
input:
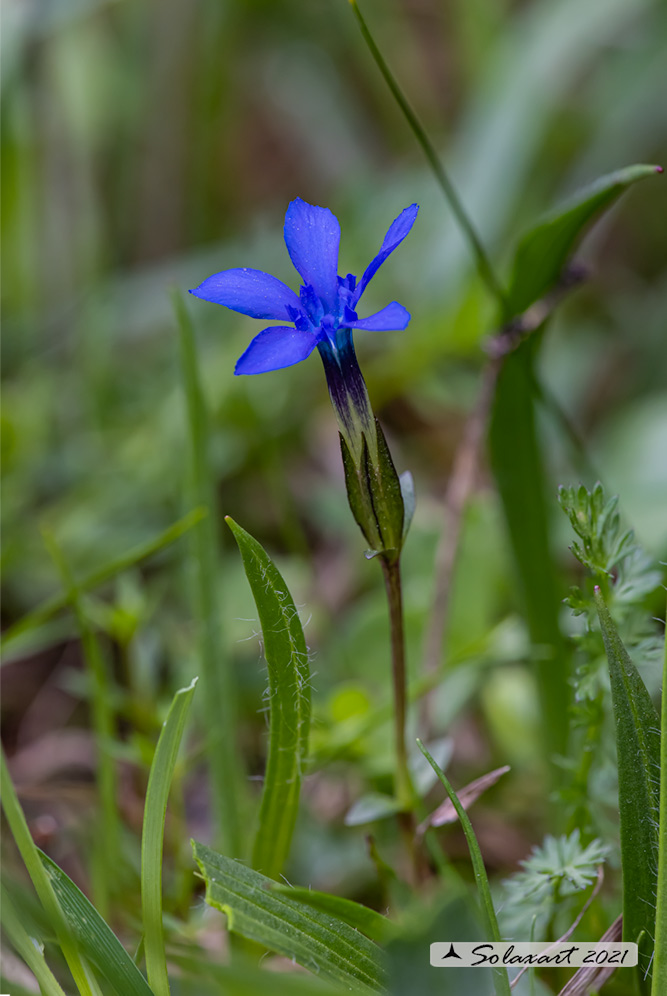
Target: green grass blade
[(500, 978), (544, 250), (368, 921), (155, 809), (218, 689), (27, 949), (319, 941), (135, 556), (83, 978), (289, 700), (106, 854), (95, 938), (660, 959), (638, 748), (517, 466)]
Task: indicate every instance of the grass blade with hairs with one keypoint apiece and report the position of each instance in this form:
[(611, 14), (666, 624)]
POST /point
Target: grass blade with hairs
[(638, 748), (157, 795), (660, 960), (319, 941), (368, 921), (289, 702)]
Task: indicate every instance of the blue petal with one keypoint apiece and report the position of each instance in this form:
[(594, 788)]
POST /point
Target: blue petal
[(251, 292), (397, 232), (312, 237), (393, 318), (275, 348)]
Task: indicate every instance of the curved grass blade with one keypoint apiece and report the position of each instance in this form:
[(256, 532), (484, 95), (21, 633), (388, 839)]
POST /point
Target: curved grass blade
[(500, 978), (544, 250), (368, 921), (157, 795), (27, 949), (289, 700), (85, 982), (638, 748), (96, 939), (660, 960), (319, 941)]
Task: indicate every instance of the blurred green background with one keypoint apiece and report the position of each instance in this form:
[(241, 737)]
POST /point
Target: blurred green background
[(150, 143)]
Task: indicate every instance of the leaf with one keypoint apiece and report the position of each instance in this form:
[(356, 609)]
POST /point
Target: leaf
[(95, 938), (516, 459), (368, 921), (25, 946), (544, 250), (289, 699), (370, 807), (155, 809), (638, 748), (446, 813), (319, 941)]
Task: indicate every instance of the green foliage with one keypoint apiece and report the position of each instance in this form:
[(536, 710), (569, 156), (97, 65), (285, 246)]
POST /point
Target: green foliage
[(319, 941), (97, 941), (558, 868), (638, 751), (366, 920), (543, 252), (286, 656), (155, 810)]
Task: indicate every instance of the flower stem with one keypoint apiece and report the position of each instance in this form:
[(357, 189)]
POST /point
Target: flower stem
[(392, 580), (484, 267)]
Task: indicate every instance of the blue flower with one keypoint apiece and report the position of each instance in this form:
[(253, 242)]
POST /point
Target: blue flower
[(326, 307)]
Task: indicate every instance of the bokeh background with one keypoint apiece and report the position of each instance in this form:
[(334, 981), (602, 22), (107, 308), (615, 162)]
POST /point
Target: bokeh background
[(150, 143)]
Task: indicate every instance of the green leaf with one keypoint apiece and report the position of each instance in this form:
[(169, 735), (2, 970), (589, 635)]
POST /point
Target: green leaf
[(638, 748), (368, 921), (24, 945), (370, 807), (660, 961), (95, 938), (155, 810), (517, 465), (319, 941), (544, 250), (289, 700)]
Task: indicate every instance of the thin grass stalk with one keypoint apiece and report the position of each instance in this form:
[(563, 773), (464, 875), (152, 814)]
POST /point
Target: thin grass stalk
[(484, 266), (218, 692), (500, 977), (106, 837)]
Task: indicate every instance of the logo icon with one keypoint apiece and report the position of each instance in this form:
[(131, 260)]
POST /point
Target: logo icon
[(450, 954)]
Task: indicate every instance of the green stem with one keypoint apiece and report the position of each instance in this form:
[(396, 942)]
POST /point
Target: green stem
[(218, 688), (106, 838), (484, 266), (392, 580), (500, 978), (660, 957), (85, 983)]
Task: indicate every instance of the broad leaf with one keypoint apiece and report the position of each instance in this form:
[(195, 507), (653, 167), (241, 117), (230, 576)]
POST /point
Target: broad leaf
[(96, 940), (321, 942), (368, 921), (638, 748), (289, 701), (544, 251)]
